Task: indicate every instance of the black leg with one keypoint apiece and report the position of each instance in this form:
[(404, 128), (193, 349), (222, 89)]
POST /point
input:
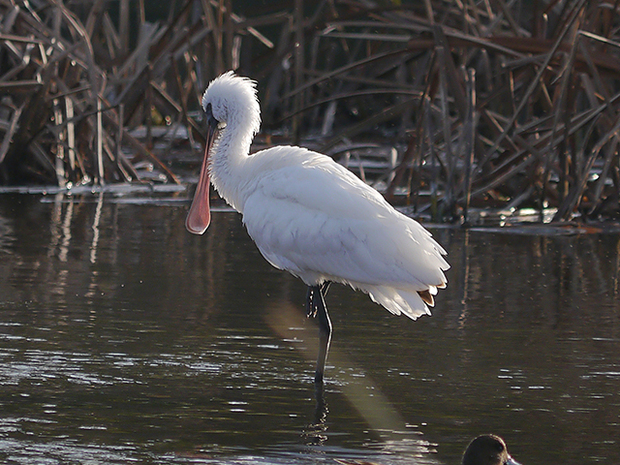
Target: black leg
[(317, 308)]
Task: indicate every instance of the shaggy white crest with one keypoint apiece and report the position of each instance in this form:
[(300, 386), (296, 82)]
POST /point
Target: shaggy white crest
[(233, 99)]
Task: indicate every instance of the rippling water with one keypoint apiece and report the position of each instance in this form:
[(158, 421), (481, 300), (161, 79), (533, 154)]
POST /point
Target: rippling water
[(125, 339)]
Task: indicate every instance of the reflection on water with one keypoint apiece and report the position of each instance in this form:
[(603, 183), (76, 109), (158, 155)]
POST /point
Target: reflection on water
[(124, 338)]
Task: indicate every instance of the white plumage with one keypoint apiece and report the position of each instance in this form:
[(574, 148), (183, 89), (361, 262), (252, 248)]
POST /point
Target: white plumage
[(309, 215)]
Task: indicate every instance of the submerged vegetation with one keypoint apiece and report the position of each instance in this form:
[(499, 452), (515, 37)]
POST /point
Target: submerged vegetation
[(494, 104)]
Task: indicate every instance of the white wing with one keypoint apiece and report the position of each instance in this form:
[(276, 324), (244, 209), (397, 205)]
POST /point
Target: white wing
[(317, 220)]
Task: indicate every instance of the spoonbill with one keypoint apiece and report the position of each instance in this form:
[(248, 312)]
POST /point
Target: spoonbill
[(311, 216)]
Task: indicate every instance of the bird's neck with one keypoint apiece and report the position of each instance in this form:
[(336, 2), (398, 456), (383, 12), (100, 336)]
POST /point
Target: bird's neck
[(228, 163)]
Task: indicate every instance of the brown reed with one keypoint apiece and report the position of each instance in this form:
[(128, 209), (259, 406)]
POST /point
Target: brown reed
[(487, 104)]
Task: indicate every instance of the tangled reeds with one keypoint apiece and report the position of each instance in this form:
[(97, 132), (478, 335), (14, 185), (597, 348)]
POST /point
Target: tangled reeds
[(502, 104), (490, 103)]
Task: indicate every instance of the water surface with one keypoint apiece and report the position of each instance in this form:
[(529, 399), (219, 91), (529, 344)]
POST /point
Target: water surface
[(125, 339)]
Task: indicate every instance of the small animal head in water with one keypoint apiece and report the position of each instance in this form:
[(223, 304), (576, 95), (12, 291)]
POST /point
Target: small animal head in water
[(487, 450)]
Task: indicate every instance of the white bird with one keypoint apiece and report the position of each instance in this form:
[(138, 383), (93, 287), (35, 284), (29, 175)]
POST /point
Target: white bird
[(311, 216)]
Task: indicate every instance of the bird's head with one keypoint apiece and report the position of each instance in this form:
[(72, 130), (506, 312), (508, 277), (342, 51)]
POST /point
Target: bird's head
[(229, 102), (231, 99), (487, 449)]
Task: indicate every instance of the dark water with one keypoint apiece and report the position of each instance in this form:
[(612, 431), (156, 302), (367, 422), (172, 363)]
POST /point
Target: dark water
[(124, 339)]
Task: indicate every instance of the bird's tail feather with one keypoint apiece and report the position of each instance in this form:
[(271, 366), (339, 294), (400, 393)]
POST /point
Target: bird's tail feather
[(397, 301)]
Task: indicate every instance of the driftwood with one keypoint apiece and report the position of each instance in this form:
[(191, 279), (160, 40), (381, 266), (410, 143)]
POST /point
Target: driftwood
[(487, 104)]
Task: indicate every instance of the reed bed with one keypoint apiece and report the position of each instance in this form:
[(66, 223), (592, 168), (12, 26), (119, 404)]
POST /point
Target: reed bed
[(494, 104)]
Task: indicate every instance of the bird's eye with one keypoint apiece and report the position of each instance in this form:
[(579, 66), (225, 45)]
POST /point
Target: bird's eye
[(211, 120)]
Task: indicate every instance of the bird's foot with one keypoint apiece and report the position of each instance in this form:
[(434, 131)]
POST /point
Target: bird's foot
[(314, 298), (312, 301)]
